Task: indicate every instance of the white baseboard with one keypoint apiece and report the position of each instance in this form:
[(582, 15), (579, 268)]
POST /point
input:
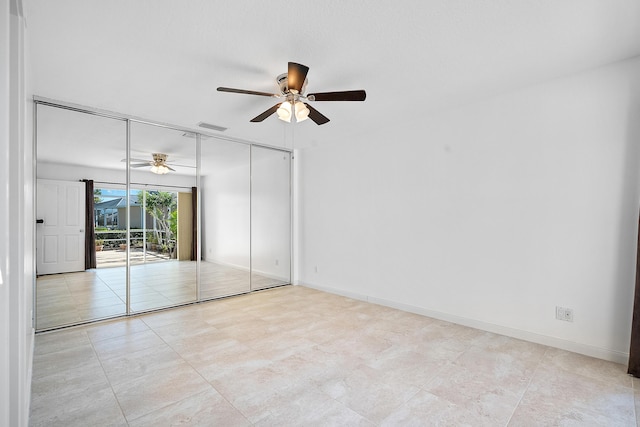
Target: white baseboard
[(226, 264), (243, 268), (585, 349)]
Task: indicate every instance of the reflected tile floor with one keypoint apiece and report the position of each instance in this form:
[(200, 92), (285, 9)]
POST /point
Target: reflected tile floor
[(71, 298), (295, 356)]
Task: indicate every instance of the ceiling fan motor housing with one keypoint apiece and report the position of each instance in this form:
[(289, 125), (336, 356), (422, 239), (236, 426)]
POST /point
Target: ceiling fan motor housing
[(159, 158), (283, 83)]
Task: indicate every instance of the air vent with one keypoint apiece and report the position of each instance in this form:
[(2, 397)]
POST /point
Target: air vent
[(212, 127)]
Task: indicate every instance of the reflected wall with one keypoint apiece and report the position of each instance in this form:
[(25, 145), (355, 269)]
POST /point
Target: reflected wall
[(270, 217), (226, 218)]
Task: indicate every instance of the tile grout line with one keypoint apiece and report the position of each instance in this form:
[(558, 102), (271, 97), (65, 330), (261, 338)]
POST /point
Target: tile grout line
[(524, 392), (115, 396), (195, 370)]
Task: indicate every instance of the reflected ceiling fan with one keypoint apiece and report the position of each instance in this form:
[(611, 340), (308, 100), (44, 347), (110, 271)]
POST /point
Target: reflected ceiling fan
[(158, 165), (294, 103)]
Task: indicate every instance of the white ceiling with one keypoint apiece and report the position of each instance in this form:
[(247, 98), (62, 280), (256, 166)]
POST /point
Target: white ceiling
[(163, 60)]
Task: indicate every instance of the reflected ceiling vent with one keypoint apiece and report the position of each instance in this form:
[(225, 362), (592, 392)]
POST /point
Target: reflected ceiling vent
[(212, 127), (193, 135)]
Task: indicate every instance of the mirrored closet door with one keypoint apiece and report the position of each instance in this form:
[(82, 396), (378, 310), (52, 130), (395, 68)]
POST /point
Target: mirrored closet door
[(226, 219), (81, 271), (135, 216), (162, 243), (270, 218)]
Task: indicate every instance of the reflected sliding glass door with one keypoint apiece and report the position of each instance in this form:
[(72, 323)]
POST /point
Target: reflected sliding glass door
[(161, 210)]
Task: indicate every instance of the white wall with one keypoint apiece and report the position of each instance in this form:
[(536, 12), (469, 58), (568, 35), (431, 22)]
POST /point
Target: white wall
[(16, 217), (490, 215)]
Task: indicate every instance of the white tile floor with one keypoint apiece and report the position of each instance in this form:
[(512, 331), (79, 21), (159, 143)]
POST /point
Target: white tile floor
[(294, 356)]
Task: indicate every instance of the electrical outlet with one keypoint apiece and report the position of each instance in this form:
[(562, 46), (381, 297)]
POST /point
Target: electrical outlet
[(316, 268), (559, 313), (568, 315), (565, 314), (277, 262)]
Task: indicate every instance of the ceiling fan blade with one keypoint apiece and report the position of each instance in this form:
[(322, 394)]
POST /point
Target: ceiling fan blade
[(347, 95), (180, 166), (141, 165), (266, 114), (296, 75), (248, 92), (169, 167), (316, 116), (136, 160)]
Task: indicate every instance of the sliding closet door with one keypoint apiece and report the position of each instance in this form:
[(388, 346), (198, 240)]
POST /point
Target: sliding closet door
[(161, 217), (225, 181), (270, 218), (81, 273), (134, 217)]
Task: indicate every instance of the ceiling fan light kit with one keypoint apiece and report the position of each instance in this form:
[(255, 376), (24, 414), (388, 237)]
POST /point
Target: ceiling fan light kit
[(294, 104), (298, 110), (160, 170), (158, 165)]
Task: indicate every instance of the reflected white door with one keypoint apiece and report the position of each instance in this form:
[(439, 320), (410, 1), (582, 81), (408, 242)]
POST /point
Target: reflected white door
[(60, 235)]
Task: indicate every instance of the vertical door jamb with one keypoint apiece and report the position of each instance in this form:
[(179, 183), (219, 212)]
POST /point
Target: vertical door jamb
[(128, 209)]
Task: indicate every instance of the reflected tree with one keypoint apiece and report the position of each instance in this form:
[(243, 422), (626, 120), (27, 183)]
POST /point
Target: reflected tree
[(162, 206)]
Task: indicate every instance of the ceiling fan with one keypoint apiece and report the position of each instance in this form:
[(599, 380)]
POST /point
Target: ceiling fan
[(158, 165), (294, 101)]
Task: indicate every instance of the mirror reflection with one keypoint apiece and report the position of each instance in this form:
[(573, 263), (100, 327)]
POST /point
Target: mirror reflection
[(270, 218), (160, 220), (162, 248), (80, 267), (226, 226)]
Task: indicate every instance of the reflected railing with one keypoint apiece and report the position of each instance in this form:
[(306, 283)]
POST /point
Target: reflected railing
[(117, 257), (111, 246)]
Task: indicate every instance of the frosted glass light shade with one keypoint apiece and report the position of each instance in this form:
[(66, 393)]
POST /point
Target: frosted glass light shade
[(160, 170), (284, 111), (302, 112)]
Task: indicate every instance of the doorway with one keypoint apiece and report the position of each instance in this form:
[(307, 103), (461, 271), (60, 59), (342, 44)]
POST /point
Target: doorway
[(60, 214)]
